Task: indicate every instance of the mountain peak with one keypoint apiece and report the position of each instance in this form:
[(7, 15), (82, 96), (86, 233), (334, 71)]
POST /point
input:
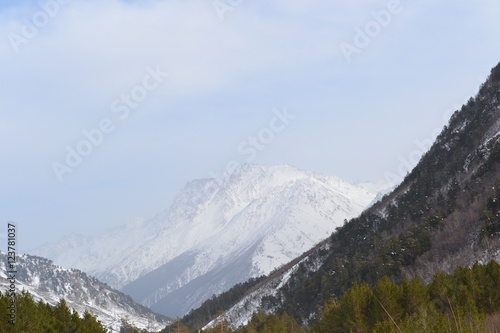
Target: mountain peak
[(221, 230)]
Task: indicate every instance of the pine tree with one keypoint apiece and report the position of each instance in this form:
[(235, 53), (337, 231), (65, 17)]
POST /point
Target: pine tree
[(180, 327), (388, 295)]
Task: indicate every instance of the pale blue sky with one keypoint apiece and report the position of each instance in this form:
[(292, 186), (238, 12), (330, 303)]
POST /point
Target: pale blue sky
[(358, 119)]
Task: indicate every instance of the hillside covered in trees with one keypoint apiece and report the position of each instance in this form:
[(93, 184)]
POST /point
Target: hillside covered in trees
[(466, 301), (443, 215)]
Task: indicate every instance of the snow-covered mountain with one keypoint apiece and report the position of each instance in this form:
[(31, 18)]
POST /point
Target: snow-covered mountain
[(218, 232), (49, 283)]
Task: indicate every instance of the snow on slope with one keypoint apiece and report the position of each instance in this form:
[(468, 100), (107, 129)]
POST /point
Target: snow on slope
[(256, 219), (49, 283), (241, 313)]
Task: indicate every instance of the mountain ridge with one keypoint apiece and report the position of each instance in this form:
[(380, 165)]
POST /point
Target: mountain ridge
[(50, 283), (255, 218)]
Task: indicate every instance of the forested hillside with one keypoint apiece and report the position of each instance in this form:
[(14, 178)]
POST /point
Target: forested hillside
[(444, 214), (434, 220)]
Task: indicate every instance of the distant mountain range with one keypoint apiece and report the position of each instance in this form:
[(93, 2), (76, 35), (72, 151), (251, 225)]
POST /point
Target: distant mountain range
[(218, 232)]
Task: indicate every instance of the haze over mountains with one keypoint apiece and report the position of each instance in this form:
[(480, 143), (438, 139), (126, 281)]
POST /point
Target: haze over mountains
[(217, 233), (278, 221)]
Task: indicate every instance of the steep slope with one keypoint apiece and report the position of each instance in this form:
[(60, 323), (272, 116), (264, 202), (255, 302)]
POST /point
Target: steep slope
[(444, 214), (218, 232), (49, 283)]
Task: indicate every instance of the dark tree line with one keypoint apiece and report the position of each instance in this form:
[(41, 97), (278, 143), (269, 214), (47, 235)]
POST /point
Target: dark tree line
[(39, 317)]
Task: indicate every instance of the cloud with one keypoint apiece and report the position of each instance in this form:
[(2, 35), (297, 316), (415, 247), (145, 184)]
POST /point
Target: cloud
[(225, 77), (111, 48)]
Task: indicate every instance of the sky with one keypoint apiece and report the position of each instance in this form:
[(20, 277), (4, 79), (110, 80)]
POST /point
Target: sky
[(108, 108)]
